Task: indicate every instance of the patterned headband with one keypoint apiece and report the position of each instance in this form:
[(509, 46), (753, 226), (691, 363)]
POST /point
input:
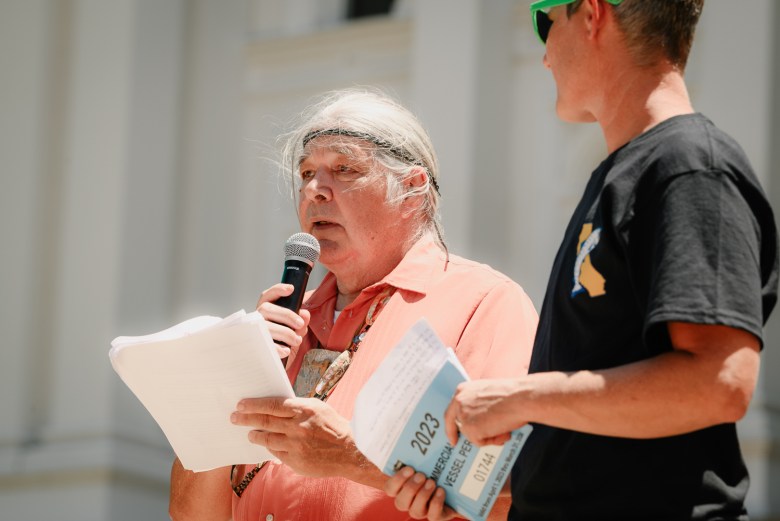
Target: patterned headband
[(399, 152)]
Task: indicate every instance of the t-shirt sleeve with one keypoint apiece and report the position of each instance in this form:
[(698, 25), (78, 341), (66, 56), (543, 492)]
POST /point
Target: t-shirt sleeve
[(499, 336), (704, 250)]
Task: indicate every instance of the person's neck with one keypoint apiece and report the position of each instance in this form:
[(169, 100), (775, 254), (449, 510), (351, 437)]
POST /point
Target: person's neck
[(351, 280), (639, 100), (345, 299)]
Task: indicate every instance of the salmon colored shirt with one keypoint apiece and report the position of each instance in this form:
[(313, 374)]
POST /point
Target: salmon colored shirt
[(488, 320)]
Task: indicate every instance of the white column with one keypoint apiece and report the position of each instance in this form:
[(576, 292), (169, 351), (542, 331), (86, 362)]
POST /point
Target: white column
[(444, 94), (96, 107), (465, 91), (212, 137), (94, 169), (27, 32), (491, 229)]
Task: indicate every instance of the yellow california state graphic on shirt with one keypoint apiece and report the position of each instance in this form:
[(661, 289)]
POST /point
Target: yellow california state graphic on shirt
[(586, 278)]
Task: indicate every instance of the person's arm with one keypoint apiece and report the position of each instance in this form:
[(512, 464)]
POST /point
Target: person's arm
[(706, 380), (308, 436), (200, 496)]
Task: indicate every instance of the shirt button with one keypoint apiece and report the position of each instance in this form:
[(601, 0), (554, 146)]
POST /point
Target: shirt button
[(269, 517)]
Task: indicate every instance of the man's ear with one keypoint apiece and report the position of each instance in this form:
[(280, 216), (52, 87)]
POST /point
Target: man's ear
[(416, 179), (594, 16)]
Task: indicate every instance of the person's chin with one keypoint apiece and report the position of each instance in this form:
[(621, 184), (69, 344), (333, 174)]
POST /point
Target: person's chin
[(330, 252)]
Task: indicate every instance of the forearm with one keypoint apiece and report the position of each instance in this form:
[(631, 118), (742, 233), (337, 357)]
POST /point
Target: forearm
[(359, 469), (670, 394), (201, 496)]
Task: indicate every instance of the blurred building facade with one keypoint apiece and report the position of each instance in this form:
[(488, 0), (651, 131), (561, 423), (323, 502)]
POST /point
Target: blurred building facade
[(137, 148)]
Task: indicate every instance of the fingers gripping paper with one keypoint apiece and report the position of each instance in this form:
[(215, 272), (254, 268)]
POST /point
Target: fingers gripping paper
[(399, 420), (190, 378)]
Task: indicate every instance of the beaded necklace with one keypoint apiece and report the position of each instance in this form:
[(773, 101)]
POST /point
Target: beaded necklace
[(339, 366)]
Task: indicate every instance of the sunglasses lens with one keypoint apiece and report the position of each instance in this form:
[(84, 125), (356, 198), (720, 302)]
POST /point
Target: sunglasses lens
[(543, 24)]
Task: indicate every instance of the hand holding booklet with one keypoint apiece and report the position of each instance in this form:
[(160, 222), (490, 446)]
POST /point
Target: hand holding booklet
[(190, 378), (399, 420)]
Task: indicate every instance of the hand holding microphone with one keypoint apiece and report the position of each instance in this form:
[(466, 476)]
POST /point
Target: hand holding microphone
[(289, 324), (301, 251)]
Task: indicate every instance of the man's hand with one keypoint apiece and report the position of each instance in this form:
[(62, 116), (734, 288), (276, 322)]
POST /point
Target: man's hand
[(285, 326), (485, 411), (305, 434), (418, 495)]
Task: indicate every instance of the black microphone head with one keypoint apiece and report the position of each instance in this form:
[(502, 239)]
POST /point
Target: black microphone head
[(302, 246)]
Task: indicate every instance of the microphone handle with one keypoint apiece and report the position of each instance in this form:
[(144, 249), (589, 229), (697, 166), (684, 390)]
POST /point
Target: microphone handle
[(296, 272)]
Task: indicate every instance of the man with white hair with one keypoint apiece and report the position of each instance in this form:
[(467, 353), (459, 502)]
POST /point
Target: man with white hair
[(367, 181)]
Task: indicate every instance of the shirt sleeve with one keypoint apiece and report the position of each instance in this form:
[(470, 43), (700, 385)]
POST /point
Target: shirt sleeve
[(499, 336), (704, 250)]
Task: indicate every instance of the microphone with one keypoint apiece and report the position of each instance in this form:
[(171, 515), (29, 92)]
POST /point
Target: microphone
[(301, 251)]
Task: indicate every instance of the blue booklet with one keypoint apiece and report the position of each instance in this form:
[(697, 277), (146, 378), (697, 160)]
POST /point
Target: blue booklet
[(399, 420)]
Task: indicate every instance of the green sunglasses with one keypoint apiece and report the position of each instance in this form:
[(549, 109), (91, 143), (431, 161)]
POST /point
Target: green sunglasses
[(542, 22)]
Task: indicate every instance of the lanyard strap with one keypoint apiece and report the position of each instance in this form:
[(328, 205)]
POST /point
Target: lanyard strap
[(339, 366)]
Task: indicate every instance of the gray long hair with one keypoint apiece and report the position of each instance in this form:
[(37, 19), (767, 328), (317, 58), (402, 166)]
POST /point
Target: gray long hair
[(385, 129)]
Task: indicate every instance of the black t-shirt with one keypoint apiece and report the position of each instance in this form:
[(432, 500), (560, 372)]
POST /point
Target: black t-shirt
[(673, 226)]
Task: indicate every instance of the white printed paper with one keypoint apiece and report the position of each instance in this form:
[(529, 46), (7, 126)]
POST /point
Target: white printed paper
[(190, 378), (399, 420)]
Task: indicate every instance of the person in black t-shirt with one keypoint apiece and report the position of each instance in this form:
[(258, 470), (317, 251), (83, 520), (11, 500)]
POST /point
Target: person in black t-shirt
[(647, 351)]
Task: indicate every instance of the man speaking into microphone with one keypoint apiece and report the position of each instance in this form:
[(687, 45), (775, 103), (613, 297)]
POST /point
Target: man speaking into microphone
[(366, 182)]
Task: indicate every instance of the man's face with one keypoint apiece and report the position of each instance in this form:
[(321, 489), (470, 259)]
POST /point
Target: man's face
[(566, 58), (342, 203)]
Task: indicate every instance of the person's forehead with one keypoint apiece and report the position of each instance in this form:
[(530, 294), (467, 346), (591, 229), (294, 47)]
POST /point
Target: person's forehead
[(351, 147)]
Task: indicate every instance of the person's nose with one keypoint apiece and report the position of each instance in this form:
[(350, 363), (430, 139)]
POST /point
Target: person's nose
[(319, 188)]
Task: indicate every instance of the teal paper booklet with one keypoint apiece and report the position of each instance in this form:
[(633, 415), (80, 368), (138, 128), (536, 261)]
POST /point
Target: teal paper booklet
[(399, 420)]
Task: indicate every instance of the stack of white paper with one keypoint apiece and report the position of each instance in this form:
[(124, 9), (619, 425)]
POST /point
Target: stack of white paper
[(190, 378)]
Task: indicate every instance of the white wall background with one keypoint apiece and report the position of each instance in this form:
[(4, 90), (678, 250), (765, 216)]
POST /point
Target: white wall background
[(138, 189)]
